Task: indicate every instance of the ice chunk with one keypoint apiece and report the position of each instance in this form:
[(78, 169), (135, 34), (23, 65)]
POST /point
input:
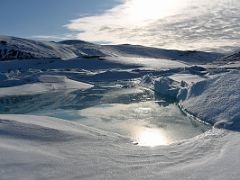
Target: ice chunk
[(167, 87)]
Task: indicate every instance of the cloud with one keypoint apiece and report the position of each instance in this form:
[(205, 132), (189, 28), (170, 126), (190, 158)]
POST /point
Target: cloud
[(182, 24), (54, 37)]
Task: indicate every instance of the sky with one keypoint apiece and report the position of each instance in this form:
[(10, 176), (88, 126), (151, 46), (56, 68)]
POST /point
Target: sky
[(30, 18), (174, 24)]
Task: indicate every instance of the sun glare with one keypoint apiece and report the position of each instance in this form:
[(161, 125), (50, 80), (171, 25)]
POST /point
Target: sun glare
[(151, 137), (143, 10)]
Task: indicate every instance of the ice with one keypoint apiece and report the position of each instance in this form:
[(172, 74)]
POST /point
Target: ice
[(129, 110), (77, 110), (167, 87)]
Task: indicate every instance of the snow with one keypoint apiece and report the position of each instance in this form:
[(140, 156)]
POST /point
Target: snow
[(43, 147), (12, 48), (216, 100), (128, 50), (33, 147), (47, 83), (152, 63), (231, 57), (18, 48), (188, 78)]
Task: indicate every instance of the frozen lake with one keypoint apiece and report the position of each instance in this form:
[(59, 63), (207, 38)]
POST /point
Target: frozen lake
[(122, 107)]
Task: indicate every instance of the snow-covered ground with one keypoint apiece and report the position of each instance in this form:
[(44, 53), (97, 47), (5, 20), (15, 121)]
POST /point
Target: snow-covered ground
[(35, 147), (68, 110), (46, 83)]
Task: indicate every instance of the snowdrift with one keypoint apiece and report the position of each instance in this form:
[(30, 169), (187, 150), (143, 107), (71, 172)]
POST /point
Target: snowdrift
[(45, 83), (215, 100)]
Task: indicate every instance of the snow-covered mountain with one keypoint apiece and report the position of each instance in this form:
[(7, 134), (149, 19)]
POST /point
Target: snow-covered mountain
[(84, 49), (232, 57), (142, 51), (18, 48)]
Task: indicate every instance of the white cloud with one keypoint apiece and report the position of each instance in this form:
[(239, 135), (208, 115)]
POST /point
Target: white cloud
[(182, 24), (54, 37)]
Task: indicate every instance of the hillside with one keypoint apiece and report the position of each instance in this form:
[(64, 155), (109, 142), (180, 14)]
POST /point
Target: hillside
[(12, 48)]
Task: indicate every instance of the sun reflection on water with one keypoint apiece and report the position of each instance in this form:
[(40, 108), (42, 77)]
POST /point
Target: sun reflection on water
[(151, 137)]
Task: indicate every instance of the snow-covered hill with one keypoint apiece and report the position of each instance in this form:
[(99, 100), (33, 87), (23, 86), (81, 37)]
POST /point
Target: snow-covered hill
[(232, 57), (150, 52), (18, 48), (84, 49)]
